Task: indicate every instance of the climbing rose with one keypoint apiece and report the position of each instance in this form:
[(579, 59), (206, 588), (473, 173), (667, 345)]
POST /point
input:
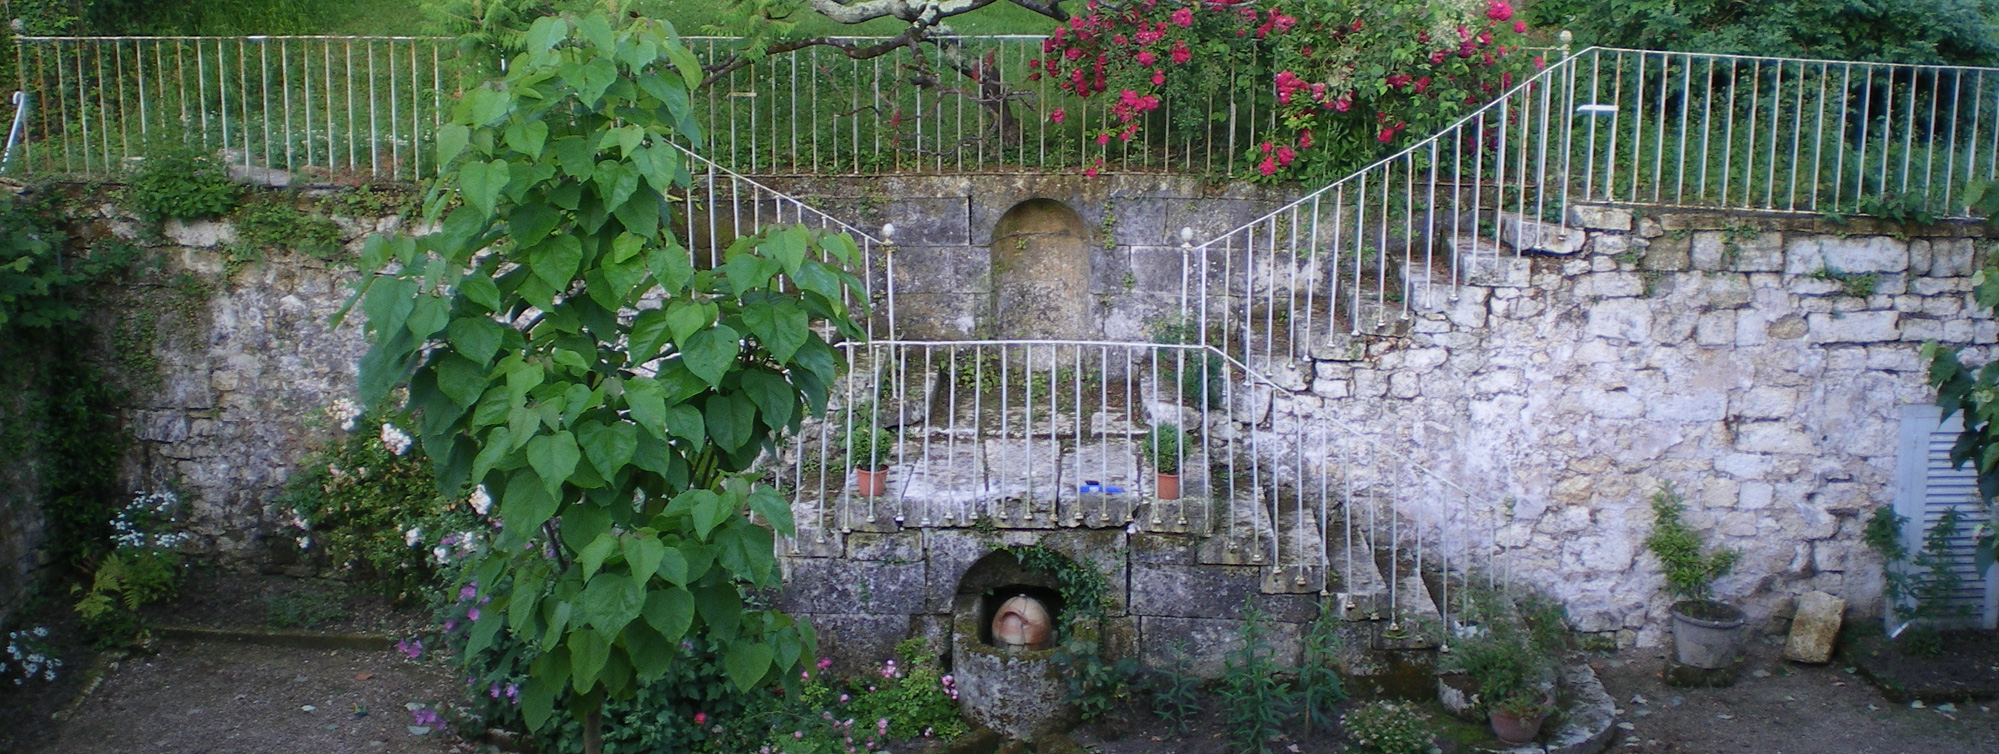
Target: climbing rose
[(1183, 18), (1499, 10), (1519, 27), (1268, 167), (1057, 115), (1180, 52), (1158, 78), (1387, 134), (1145, 57), (700, 718)]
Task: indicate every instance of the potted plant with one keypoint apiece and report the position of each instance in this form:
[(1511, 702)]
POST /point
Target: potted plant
[(1706, 634), (1163, 448), (1517, 718), (868, 452)]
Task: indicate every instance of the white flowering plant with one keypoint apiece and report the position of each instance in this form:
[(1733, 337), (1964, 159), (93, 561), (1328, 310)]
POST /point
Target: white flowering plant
[(368, 506), (143, 567), (28, 658)]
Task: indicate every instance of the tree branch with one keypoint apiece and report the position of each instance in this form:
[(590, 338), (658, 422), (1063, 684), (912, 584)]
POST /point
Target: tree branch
[(848, 46)]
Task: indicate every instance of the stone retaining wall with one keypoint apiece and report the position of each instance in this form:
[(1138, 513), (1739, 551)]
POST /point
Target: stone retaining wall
[(1705, 350)]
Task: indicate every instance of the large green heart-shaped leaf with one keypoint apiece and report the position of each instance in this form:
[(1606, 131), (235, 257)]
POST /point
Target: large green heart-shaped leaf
[(554, 458), (709, 352), (748, 663), (482, 184)]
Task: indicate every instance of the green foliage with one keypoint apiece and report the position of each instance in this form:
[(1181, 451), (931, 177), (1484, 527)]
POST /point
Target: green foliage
[(1853, 284), (1908, 209), (179, 182), (80, 443), (1961, 32), (209, 17), (366, 508), (659, 716), (1386, 727), (1097, 684), (1165, 446), (304, 609), (1255, 704), (871, 447), (1883, 534), (1176, 695), (1509, 646), (1320, 688), (41, 278), (143, 568), (274, 222), (1920, 590), (616, 448), (1690, 571), (1975, 392), (911, 696), (1085, 592)]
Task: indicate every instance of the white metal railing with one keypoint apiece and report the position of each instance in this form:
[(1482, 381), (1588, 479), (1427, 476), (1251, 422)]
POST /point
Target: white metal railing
[(720, 205), (1603, 125), (327, 109), (1043, 434), (18, 124)]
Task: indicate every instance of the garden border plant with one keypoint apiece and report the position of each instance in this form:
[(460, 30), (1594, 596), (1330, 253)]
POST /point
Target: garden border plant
[(619, 449)]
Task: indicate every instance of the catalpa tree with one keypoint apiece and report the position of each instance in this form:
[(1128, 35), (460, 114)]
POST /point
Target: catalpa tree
[(556, 348)]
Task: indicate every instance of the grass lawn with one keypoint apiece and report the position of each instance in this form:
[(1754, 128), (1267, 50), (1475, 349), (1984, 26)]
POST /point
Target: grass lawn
[(691, 17)]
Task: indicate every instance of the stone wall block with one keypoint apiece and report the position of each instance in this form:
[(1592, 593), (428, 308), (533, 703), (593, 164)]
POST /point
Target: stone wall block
[(1856, 255), (833, 585), (1600, 217), (1212, 640), (1854, 327), (1952, 257)]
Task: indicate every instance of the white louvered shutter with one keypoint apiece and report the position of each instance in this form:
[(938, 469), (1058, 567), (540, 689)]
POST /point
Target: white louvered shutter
[(1926, 486)]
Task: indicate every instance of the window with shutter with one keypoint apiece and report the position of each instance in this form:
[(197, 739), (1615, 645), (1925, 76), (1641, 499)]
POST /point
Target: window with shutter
[(1927, 486)]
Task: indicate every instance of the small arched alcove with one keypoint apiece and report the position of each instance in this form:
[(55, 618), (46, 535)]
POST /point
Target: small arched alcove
[(1041, 273), (996, 578)]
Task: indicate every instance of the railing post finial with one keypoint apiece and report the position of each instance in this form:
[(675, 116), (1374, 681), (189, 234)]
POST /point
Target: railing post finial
[(1565, 39), (1186, 236)]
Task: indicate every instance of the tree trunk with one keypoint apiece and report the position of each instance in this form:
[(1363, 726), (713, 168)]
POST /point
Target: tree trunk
[(593, 733)]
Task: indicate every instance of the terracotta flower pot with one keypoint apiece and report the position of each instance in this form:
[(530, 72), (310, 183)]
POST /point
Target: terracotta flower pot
[(1168, 486), (1516, 730), (871, 482)]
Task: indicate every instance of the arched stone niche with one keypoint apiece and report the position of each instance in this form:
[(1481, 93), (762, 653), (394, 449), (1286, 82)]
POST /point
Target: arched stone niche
[(1041, 273)]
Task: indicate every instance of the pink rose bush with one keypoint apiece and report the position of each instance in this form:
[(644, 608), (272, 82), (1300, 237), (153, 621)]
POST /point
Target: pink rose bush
[(1346, 82)]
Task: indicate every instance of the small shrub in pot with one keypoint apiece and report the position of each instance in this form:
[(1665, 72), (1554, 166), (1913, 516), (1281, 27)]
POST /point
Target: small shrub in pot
[(1706, 633)]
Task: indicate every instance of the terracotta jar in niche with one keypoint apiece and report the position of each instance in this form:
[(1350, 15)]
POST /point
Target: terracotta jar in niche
[(1023, 623)]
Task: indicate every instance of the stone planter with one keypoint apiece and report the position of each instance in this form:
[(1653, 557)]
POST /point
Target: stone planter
[(871, 482), (1706, 634), (1020, 694), (1168, 486)]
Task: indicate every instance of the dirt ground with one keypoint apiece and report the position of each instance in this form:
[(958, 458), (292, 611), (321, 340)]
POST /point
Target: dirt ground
[(1780, 707), (222, 698)]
